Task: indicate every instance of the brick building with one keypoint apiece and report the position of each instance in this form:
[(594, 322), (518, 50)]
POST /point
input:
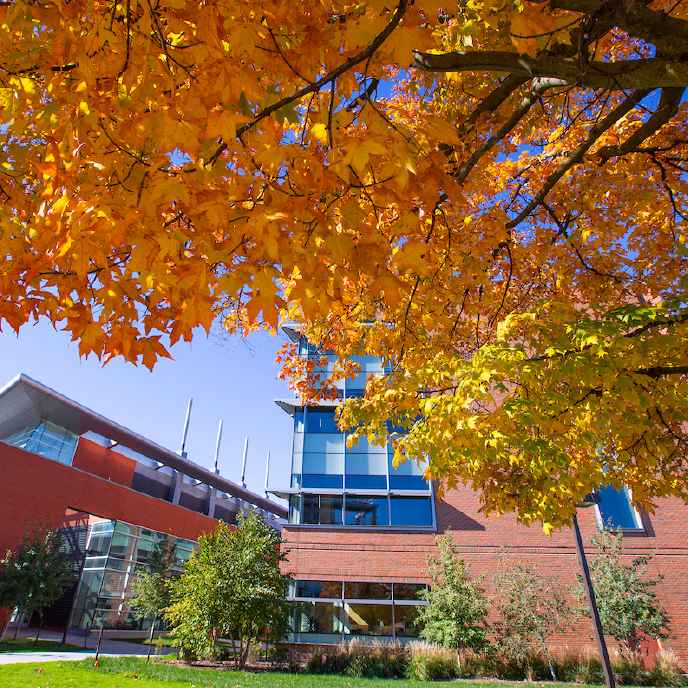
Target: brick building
[(360, 530), (65, 465)]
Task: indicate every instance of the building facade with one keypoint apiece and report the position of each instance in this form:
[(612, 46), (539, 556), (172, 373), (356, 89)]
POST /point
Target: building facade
[(112, 490), (360, 531)]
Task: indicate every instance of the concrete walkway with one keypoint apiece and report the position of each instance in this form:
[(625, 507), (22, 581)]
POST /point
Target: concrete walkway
[(109, 647)]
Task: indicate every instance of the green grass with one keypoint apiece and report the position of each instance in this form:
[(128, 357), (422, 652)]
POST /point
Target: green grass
[(144, 641), (133, 672), (23, 645)]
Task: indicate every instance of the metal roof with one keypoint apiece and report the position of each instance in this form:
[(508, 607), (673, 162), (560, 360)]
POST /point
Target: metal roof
[(24, 401)]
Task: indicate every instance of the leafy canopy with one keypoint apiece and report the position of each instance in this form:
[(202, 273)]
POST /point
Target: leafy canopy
[(498, 186), (232, 587), (35, 575), (152, 593)]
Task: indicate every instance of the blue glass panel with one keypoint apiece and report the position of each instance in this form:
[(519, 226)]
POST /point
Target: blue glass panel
[(310, 480), (357, 393), (322, 510), (615, 508), (366, 511), (295, 479), (318, 420), (366, 482), (298, 421), (408, 482), (411, 511), (328, 589)]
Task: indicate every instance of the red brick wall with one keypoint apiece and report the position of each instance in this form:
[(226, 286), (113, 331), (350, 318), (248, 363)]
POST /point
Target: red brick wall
[(33, 488), (401, 556), (103, 462)]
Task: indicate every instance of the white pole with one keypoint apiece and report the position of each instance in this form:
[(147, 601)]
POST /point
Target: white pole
[(186, 428), (243, 465), (217, 448), (267, 474)]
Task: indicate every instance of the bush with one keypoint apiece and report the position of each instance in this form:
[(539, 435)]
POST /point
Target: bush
[(666, 671), (429, 662), (629, 672)]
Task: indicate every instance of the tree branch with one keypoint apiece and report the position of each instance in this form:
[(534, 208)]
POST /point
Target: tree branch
[(653, 72), (538, 87), (595, 132), (667, 108), (667, 33)]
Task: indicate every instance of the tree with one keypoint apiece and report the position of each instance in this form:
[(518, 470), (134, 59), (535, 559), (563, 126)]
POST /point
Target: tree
[(498, 186), (626, 600), (232, 587), (36, 574), (532, 606), (457, 606), (152, 594)]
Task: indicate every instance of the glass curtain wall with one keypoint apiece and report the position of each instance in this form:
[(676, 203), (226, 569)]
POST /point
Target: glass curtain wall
[(46, 439), (114, 552), (332, 611)]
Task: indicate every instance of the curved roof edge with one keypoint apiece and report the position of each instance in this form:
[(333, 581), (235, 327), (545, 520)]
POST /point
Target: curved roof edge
[(80, 419)]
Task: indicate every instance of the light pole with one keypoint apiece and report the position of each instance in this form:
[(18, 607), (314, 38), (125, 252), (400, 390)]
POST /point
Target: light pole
[(591, 499)]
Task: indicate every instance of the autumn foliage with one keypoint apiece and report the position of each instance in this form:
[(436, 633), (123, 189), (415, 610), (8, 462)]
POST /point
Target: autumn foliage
[(490, 193)]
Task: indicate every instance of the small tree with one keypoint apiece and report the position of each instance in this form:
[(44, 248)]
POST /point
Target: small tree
[(457, 606), (232, 587), (532, 606), (36, 574), (624, 593), (152, 586)]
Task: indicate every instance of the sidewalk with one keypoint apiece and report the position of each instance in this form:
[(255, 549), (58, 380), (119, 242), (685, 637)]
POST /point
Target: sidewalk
[(109, 647)]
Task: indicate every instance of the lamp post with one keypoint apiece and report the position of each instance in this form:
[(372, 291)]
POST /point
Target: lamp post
[(590, 500)]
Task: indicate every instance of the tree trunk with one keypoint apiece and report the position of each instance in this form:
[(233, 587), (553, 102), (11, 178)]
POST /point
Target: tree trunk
[(246, 650), (549, 660), (40, 626), (150, 639), (19, 623)]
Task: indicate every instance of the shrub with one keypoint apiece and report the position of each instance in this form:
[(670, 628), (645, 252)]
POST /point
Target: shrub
[(589, 668), (429, 662), (316, 664), (628, 671), (666, 671)]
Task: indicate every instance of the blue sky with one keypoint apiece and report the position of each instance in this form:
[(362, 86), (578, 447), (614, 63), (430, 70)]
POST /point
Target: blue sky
[(231, 381)]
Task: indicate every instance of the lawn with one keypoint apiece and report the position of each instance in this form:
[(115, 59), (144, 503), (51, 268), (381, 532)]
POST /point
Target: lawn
[(23, 645), (133, 672)]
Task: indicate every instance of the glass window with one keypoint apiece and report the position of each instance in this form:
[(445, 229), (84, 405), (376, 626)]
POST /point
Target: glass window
[(121, 545), (616, 510), (321, 420), (368, 619), (362, 510), (90, 583), (317, 617), (46, 439), (405, 620), (366, 471), (294, 509), (99, 544), (322, 480), (323, 443), (322, 510), (411, 511), (298, 421), (368, 591), (407, 476), (329, 589), (408, 591)]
